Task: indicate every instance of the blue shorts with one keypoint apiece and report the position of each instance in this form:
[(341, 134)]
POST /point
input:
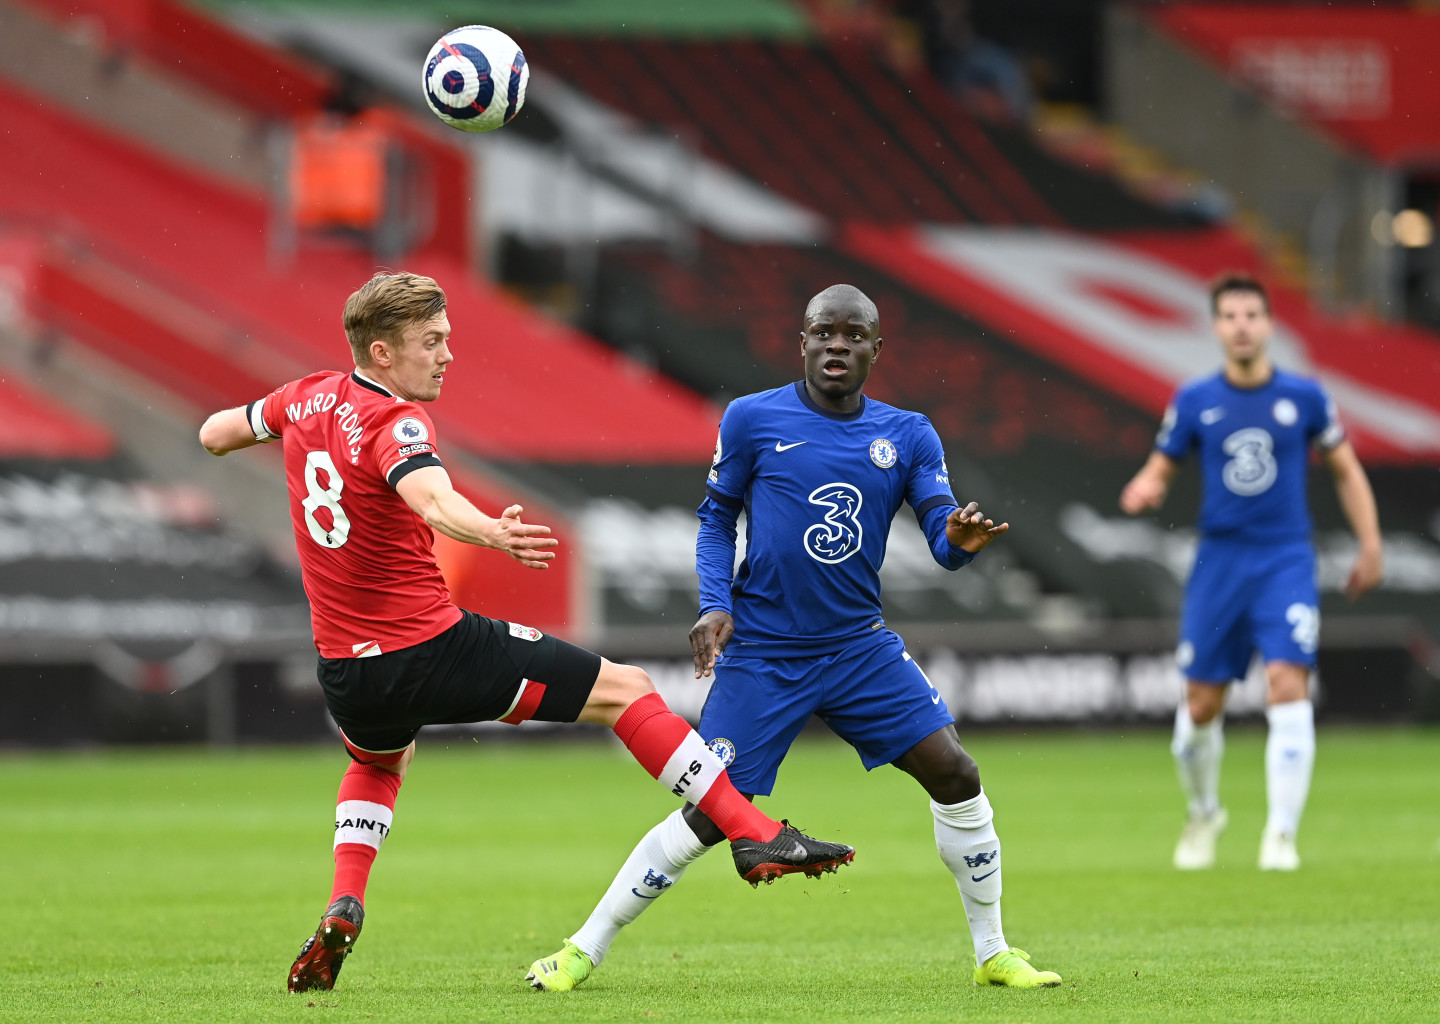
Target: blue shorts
[(872, 694), (1243, 597)]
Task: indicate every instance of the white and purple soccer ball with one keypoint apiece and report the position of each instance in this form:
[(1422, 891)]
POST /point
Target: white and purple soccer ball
[(475, 78)]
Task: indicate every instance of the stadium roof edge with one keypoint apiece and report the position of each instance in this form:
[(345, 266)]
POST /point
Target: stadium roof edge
[(771, 19)]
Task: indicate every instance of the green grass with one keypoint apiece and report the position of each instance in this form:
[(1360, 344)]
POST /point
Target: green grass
[(178, 885)]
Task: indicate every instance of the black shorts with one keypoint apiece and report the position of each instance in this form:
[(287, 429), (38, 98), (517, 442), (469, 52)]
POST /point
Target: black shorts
[(478, 670)]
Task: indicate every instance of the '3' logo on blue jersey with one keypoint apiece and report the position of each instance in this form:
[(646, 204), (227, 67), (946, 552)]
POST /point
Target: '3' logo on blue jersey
[(838, 535)]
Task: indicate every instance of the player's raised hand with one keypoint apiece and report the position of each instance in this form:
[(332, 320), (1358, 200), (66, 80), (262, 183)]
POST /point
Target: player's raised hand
[(1142, 494), (708, 638), (525, 542), (1147, 489), (1366, 573), (969, 529)]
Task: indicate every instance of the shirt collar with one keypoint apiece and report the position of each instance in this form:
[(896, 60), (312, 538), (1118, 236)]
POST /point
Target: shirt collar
[(366, 382)]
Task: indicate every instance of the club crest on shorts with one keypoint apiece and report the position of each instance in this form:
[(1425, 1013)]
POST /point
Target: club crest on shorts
[(723, 749), (882, 453), (1285, 412), (525, 632), (1184, 654), (410, 431)]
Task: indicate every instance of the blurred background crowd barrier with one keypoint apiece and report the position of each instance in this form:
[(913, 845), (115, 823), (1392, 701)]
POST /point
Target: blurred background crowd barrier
[(1034, 192)]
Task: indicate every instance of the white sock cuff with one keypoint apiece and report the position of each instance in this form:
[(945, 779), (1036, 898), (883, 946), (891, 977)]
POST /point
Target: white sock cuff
[(975, 813), (679, 841), (362, 822), (1210, 728), (1294, 714), (692, 769)]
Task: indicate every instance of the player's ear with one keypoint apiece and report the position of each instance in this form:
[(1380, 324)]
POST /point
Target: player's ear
[(380, 354), (879, 343)]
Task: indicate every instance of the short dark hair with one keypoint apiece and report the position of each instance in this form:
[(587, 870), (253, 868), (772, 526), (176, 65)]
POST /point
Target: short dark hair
[(1233, 281)]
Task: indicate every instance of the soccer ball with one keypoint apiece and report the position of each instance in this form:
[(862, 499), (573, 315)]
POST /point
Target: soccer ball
[(475, 78)]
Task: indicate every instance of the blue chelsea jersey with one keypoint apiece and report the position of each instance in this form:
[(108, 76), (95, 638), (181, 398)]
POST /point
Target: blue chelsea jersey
[(820, 490), (1254, 448)]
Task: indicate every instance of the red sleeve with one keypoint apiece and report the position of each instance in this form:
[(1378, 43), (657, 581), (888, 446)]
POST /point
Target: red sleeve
[(404, 442)]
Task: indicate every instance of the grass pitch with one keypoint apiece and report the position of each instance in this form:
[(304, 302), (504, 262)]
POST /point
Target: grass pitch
[(178, 885)]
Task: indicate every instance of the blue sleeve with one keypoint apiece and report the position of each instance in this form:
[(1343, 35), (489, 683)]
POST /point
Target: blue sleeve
[(734, 461), (929, 483), (1177, 429), (928, 493), (933, 523), (1322, 427), (715, 554), (725, 491)]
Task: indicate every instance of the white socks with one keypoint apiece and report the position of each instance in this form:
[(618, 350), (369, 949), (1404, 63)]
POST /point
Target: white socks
[(656, 864), (1198, 750), (1289, 760), (965, 836)]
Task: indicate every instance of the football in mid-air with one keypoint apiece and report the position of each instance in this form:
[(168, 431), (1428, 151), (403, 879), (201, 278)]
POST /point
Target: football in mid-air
[(475, 78)]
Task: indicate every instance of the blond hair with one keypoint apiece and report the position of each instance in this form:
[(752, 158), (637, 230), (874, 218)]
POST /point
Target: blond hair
[(384, 306)]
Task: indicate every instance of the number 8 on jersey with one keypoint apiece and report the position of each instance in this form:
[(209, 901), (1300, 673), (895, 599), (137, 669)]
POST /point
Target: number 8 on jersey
[(325, 496)]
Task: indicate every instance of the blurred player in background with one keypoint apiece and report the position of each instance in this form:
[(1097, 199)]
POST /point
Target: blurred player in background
[(1253, 586), (367, 488), (820, 471)]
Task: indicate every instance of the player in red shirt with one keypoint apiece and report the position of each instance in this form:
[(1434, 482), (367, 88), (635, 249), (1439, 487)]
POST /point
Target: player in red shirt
[(367, 488)]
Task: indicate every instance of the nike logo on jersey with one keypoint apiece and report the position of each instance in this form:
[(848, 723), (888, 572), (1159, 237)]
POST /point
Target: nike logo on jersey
[(1210, 416), (981, 878), (786, 447), (637, 892)]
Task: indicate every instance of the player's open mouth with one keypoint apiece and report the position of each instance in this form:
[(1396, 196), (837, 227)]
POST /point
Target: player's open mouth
[(835, 368)]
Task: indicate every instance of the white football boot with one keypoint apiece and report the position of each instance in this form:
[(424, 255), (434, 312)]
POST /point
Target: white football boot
[(1196, 849), (1277, 852)]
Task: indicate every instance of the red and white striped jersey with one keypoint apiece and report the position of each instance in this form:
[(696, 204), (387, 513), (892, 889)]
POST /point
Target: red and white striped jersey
[(366, 558)]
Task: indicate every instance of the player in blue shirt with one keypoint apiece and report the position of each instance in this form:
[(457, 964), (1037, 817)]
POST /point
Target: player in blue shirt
[(820, 471), (1253, 586)]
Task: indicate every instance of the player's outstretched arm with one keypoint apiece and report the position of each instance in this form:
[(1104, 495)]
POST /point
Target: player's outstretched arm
[(969, 529), (715, 565), (226, 431), (429, 493), (1148, 488), (1358, 501)]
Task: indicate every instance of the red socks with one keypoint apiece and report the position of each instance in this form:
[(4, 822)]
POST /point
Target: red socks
[(661, 741), (676, 756), (364, 811)]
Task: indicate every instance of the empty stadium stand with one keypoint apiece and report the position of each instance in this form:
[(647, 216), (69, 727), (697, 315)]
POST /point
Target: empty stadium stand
[(843, 133), (33, 426)]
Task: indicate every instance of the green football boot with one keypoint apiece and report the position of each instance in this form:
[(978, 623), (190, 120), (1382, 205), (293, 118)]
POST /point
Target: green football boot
[(1012, 967), (562, 971)]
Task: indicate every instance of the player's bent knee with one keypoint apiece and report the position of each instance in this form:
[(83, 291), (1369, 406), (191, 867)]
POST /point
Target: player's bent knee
[(1205, 702), (961, 780), (616, 688), (628, 684), (953, 779), (1288, 682), (967, 776)]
